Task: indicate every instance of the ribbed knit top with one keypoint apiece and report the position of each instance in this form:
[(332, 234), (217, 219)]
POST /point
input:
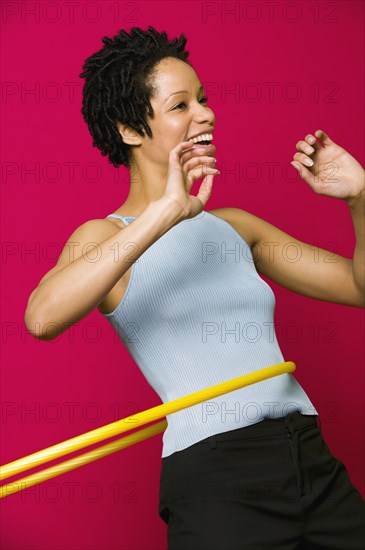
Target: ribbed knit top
[(196, 313)]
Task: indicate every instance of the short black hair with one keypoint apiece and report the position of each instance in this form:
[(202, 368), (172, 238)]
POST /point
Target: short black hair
[(118, 86)]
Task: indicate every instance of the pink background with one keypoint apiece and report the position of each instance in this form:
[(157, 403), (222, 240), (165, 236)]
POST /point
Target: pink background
[(296, 69)]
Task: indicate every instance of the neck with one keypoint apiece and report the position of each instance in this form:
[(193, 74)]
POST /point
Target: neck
[(147, 184)]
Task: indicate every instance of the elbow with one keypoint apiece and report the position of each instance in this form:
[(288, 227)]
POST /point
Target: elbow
[(37, 327), (42, 318)]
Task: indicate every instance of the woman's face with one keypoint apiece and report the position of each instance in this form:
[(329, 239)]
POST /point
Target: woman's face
[(178, 114)]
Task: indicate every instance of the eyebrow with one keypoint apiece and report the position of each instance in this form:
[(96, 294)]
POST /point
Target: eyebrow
[(182, 91)]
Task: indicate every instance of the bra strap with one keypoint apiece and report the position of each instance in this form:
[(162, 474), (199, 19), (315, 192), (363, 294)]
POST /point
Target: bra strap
[(125, 219)]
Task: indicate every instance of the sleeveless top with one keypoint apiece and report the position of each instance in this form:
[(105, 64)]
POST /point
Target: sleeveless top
[(196, 313)]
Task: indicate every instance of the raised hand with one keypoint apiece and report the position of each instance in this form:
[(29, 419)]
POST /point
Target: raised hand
[(187, 163), (334, 172)]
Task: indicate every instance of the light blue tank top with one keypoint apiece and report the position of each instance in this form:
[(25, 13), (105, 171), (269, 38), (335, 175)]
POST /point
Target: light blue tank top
[(196, 313)]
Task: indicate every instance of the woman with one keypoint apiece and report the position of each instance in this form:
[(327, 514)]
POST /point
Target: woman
[(249, 469)]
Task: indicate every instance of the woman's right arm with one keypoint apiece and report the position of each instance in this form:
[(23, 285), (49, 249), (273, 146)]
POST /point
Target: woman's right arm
[(77, 285)]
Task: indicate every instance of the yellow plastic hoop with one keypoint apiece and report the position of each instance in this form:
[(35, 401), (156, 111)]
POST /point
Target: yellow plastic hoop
[(121, 426)]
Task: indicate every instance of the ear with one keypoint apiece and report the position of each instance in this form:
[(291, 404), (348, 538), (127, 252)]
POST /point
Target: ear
[(130, 136)]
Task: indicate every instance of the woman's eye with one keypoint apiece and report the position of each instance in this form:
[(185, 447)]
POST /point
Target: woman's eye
[(202, 98)]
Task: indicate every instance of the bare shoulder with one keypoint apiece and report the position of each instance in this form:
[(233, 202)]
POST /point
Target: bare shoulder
[(86, 236), (90, 233), (243, 222), (98, 229)]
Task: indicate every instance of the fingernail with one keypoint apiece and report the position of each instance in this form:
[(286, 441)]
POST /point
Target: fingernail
[(308, 162), (295, 165)]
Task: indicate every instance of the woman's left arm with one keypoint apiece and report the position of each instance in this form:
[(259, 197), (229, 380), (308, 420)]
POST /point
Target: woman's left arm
[(301, 267), (337, 174)]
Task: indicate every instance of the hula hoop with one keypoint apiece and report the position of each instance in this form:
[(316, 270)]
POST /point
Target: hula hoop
[(121, 426)]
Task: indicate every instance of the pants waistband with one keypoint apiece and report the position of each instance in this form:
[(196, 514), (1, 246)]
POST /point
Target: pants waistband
[(269, 426)]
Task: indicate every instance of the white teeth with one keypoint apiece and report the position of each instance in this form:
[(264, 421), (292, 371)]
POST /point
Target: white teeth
[(202, 137)]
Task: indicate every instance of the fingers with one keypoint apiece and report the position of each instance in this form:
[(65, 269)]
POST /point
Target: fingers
[(305, 147), (195, 161), (309, 146), (185, 150), (177, 151), (196, 165), (304, 159), (199, 172), (325, 139), (205, 189), (175, 155), (190, 169), (198, 150), (309, 138)]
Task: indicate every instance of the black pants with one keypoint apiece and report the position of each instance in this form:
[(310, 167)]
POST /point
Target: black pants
[(273, 485)]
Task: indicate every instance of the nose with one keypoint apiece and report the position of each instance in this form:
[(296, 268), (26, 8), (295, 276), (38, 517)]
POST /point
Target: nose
[(204, 114)]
